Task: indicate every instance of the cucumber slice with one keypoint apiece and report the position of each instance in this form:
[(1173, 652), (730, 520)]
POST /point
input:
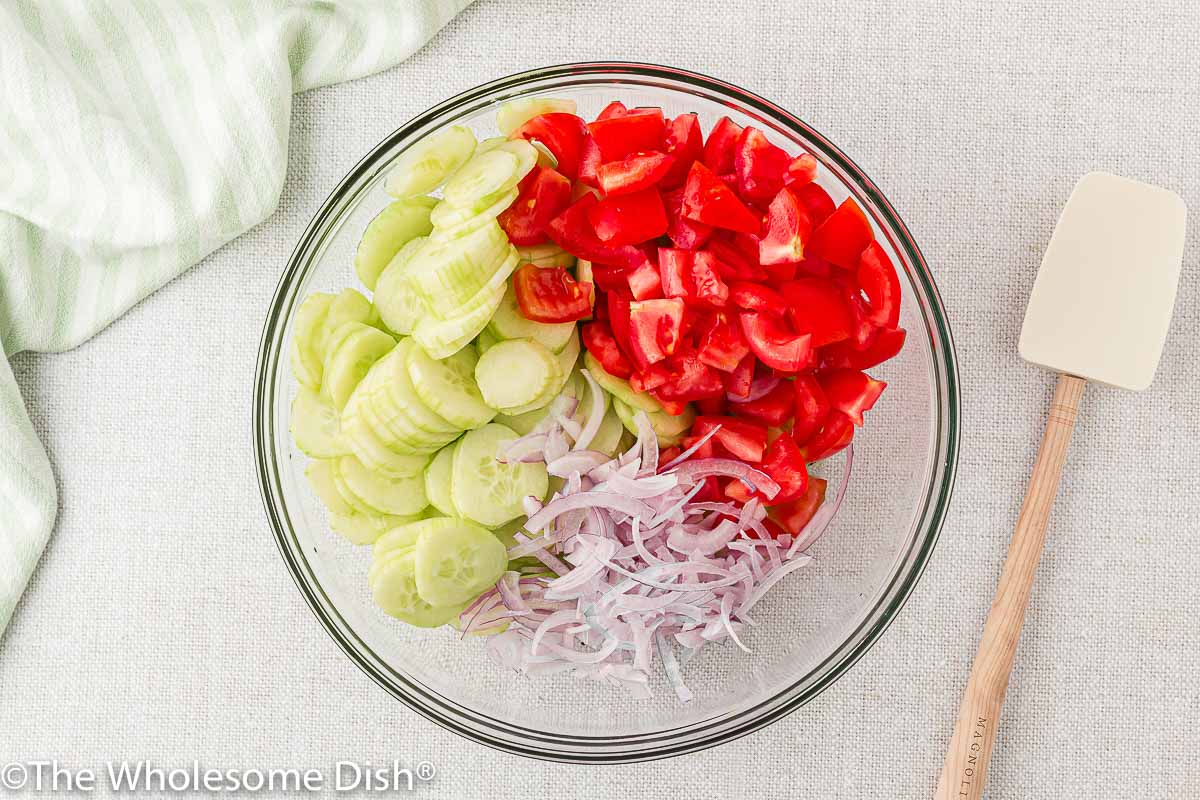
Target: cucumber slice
[(307, 331), (358, 528), (315, 426), (423, 166), (437, 482), (349, 306), (618, 387), (451, 222), (490, 173), (370, 448), (395, 226), (525, 422), (448, 387), (397, 395), (403, 537), (669, 429), (399, 304), (516, 113), (546, 157), (484, 340), (484, 489), (490, 144), (608, 438), (378, 492), (454, 564), (356, 348), (546, 255), (449, 273), (516, 372), (509, 323), (394, 590), (445, 337), (320, 476)]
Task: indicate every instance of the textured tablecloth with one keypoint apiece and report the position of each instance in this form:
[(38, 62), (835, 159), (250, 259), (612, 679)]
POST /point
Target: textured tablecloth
[(161, 623)]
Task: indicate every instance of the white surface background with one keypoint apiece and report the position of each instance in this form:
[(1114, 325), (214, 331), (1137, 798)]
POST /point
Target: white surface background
[(162, 624)]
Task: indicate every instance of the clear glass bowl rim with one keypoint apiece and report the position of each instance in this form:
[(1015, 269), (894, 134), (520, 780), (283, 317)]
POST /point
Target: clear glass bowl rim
[(661, 743)]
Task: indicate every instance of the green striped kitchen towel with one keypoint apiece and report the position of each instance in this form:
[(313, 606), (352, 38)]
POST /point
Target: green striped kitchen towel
[(136, 137)]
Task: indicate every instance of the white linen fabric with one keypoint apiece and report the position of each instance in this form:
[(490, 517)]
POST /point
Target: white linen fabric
[(162, 625)]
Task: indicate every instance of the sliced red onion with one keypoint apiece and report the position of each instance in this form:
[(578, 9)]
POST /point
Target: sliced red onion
[(642, 488), (703, 467), (691, 451), (553, 562), (595, 417), (556, 445), (760, 387), (649, 441), (593, 499), (671, 666), (527, 449), (705, 543), (816, 526)]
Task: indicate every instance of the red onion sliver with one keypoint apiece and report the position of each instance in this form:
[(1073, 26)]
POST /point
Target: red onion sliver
[(595, 417), (702, 468), (759, 388), (816, 526)]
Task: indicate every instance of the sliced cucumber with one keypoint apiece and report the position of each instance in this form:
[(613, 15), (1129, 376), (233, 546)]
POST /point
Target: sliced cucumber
[(509, 323), (449, 274), (437, 481), (516, 113), (486, 490), (348, 306), (400, 306), (315, 426), (490, 144), (619, 387), (448, 387), (452, 222), (427, 163), (668, 428), (320, 476), (395, 226), (445, 337), (403, 537), (307, 332), (608, 439), (546, 255), (546, 157), (516, 372), (394, 590), (454, 564), (484, 340), (399, 395), (359, 528), (370, 448), (356, 348), (378, 492), (490, 173)]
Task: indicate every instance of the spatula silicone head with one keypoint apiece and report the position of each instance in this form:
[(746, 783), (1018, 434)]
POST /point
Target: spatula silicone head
[(1102, 301)]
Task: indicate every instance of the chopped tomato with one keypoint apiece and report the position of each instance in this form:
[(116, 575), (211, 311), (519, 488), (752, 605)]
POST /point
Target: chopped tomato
[(817, 306), (589, 162), (774, 408), (562, 134), (784, 462), (599, 341), (788, 228), (842, 238), (654, 329), (775, 345), (835, 434), (862, 331), (783, 271), (814, 267), (551, 294), (635, 131), (544, 193), (673, 407), (629, 218), (644, 282), (719, 149), (722, 345), (756, 297), (812, 407), (742, 439), (685, 142), (674, 267), (650, 377), (633, 172), (614, 109), (759, 165), (850, 391), (707, 199), (793, 516), (617, 307), (706, 285), (801, 170), (689, 379), (818, 202), (887, 343), (684, 233), (733, 263), (611, 279), (572, 231), (703, 451), (738, 382), (713, 406), (881, 284)]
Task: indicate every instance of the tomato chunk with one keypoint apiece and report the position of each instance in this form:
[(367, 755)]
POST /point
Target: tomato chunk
[(775, 345), (544, 193), (793, 516), (614, 109), (738, 382), (635, 131), (774, 408), (788, 227), (674, 268), (706, 285), (733, 262), (654, 329), (756, 297), (551, 294), (589, 162), (843, 236), (722, 345), (801, 170), (719, 149), (629, 218), (817, 201), (685, 142), (644, 282), (835, 434), (633, 172), (886, 344), (850, 391), (784, 462), (878, 279), (599, 340), (741, 438), (712, 406), (688, 379), (818, 307), (572, 231), (709, 200), (812, 407), (760, 166), (684, 233), (563, 136)]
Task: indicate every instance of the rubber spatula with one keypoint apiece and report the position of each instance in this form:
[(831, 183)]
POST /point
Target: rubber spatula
[(1099, 311)]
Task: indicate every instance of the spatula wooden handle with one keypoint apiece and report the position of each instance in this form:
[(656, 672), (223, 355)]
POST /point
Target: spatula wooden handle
[(971, 748)]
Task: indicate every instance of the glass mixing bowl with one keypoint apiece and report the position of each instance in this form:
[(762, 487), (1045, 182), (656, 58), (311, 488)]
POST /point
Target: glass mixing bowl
[(812, 626)]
